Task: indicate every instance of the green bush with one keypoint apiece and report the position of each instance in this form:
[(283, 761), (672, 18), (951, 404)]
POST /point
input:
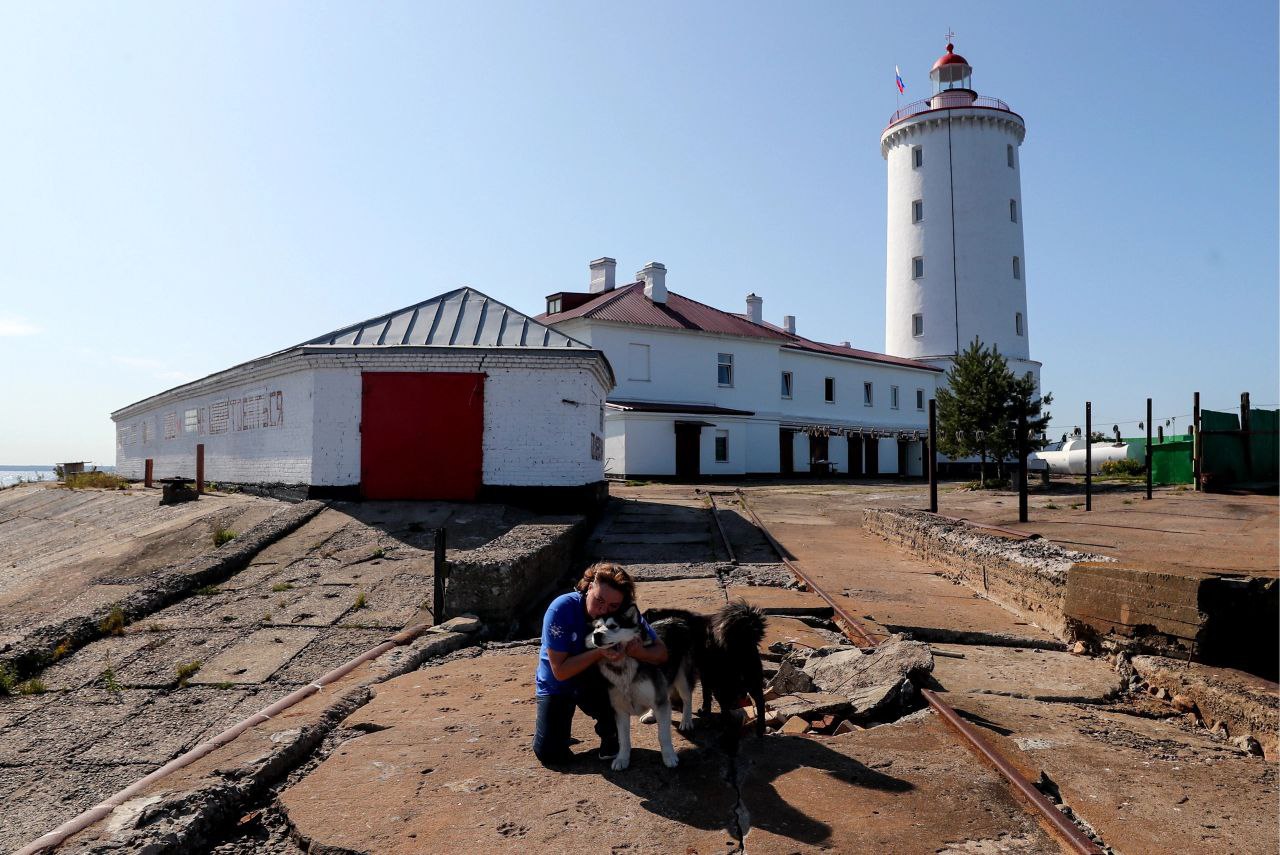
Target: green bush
[(113, 623), (1126, 466), (96, 479), (186, 671), (223, 535), (8, 679), (33, 687)]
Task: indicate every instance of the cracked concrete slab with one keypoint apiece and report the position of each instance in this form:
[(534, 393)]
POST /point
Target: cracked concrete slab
[(156, 663), (1043, 675), (394, 603), (696, 595), (781, 601), (255, 658)]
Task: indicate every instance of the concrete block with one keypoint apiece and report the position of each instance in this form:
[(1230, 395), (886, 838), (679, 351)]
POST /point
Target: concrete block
[(255, 658)]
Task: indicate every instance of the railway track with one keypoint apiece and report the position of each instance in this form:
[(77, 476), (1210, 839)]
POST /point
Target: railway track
[(1063, 829)]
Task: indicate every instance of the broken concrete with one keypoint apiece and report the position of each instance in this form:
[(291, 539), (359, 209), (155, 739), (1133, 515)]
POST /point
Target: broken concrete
[(1040, 675)]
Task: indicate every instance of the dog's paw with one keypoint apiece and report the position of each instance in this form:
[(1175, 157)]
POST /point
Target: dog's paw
[(648, 718), (620, 763), (686, 724), (670, 760)]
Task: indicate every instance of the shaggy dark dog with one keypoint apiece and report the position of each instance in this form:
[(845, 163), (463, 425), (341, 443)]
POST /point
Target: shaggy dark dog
[(726, 654)]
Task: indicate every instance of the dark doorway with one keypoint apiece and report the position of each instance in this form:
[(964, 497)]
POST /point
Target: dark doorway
[(420, 435), (873, 457), (902, 458), (786, 452), (688, 450), (855, 457), (819, 459)]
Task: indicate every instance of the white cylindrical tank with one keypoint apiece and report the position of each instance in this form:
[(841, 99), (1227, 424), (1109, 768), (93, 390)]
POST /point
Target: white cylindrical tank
[(956, 268), (1070, 458)]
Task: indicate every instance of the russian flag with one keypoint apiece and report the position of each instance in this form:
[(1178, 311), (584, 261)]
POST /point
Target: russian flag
[(897, 76)]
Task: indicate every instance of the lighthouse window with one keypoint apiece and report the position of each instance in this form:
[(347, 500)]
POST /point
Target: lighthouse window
[(917, 324), (1017, 322), (917, 156), (1008, 150), (917, 210), (917, 267), (1017, 267), (1013, 210)]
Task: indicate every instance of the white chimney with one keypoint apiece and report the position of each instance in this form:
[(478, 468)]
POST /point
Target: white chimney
[(602, 275), (845, 344), (755, 309), (789, 323), (654, 276)]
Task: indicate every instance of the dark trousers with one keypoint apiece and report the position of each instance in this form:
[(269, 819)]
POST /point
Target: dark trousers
[(554, 726)]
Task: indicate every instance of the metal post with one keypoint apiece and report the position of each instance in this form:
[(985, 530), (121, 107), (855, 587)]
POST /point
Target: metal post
[(1148, 448), (200, 469), (148, 469), (1246, 436), (441, 571), (932, 462), (1160, 434), (1022, 467), (1196, 449), (1088, 455)]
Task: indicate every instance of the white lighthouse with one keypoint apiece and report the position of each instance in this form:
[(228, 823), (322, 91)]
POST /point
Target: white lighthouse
[(956, 268)]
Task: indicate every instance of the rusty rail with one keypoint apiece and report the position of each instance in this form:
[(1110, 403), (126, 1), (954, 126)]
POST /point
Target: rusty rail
[(1066, 831), (724, 538)]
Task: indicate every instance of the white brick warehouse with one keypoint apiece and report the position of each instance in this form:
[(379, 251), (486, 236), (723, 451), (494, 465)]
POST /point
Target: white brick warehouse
[(300, 417)]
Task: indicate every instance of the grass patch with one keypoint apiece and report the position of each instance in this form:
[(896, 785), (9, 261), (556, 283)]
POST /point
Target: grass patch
[(281, 586), (361, 601), (1075, 506), (63, 648), (266, 617), (224, 685), (1125, 466), (223, 535), (992, 484), (109, 681), (101, 480), (32, 687), (635, 483), (186, 671), (207, 591), (8, 679), (378, 553), (1127, 502), (157, 627), (113, 623), (1051, 507)]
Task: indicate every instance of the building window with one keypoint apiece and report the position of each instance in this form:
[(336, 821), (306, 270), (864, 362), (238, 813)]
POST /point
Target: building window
[(1017, 322), (190, 421), (1008, 151), (917, 156), (1017, 267), (920, 399), (553, 305), (917, 210), (917, 267), (786, 384), (638, 361), (893, 397), (1013, 210), (867, 394), (917, 325), (722, 446), (829, 390), (724, 369)]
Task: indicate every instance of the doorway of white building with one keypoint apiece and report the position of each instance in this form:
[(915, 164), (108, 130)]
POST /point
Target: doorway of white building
[(688, 450)]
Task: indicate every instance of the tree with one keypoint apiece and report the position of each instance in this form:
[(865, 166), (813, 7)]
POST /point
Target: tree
[(979, 408)]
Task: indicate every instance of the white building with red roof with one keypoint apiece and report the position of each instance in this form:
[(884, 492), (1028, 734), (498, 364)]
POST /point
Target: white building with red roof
[(703, 392)]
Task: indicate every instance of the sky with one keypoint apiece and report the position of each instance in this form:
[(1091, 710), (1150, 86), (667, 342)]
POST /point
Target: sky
[(188, 186)]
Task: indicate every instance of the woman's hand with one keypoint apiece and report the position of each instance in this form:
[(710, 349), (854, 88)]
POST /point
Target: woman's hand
[(613, 654), (634, 648)]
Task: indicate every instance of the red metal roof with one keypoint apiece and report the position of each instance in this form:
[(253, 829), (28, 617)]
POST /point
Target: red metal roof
[(668, 407), (949, 58), (629, 305), (802, 343)]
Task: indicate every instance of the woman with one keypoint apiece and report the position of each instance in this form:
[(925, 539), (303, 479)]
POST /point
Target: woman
[(567, 677)]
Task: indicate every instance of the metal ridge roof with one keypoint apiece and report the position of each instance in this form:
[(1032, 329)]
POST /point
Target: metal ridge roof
[(460, 318)]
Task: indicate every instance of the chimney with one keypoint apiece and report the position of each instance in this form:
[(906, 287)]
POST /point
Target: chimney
[(655, 281), (755, 309), (845, 344), (602, 273), (789, 323)]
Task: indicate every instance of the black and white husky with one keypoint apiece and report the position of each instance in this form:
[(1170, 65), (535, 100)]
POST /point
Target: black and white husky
[(636, 687)]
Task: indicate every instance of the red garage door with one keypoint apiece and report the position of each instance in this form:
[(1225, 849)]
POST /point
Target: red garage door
[(420, 435)]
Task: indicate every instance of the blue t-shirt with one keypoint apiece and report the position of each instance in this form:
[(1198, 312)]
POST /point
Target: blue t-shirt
[(565, 628)]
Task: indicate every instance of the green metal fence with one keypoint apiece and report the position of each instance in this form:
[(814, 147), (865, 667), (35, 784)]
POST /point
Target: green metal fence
[(1228, 456)]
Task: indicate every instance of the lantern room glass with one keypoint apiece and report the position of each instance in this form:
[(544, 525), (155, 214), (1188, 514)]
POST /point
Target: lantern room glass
[(955, 76)]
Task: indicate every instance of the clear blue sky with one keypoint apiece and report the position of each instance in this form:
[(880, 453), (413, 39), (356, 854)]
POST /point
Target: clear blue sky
[(186, 186)]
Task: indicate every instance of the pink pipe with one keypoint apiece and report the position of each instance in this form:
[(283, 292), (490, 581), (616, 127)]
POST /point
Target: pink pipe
[(79, 823)]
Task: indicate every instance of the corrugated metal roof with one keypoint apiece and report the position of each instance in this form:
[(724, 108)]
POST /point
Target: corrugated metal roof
[(461, 318), (628, 305)]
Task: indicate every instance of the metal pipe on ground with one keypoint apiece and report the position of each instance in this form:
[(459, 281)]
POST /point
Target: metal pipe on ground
[(79, 823), (1067, 832)]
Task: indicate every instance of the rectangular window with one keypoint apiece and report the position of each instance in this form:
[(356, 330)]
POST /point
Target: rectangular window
[(553, 306), (919, 399), (1017, 322), (722, 446), (893, 397), (917, 156), (829, 390), (1008, 150), (1017, 267), (170, 425), (1013, 210), (867, 394), (917, 325), (786, 384), (190, 421), (724, 369), (917, 210), (917, 267), (637, 361)]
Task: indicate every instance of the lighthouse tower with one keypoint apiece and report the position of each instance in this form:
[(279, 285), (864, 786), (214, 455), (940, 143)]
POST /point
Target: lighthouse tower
[(956, 267)]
